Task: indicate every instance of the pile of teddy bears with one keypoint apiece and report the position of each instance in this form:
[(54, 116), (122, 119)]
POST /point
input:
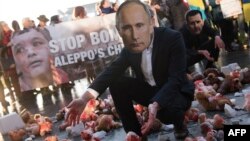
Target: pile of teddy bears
[(211, 89), (212, 86), (100, 116), (35, 125)]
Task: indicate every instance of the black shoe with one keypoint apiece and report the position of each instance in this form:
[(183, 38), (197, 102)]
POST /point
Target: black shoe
[(181, 134)]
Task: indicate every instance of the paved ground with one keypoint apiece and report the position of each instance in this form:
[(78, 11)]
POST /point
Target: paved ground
[(49, 104)]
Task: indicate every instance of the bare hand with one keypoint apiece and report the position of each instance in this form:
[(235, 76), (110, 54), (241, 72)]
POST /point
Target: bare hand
[(219, 42), (152, 108), (76, 107)]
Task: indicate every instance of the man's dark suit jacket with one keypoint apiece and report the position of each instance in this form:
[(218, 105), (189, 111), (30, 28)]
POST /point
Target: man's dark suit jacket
[(169, 67)]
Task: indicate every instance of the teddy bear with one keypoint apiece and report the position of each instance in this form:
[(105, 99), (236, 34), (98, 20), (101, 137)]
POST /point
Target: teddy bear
[(17, 135), (213, 77), (212, 80), (201, 87), (33, 129), (106, 123), (106, 106), (210, 102), (31, 126), (206, 127), (191, 114), (27, 117), (214, 71), (218, 122), (202, 118), (61, 114), (229, 85), (45, 124), (87, 134), (88, 113), (245, 76)]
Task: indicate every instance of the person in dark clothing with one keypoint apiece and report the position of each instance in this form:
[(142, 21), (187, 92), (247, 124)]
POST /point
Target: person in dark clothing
[(202, 42), (157, 56), (224, 24)]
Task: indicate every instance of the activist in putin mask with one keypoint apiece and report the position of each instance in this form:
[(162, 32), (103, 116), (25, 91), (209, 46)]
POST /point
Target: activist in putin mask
[(135, 27), (34, 62)]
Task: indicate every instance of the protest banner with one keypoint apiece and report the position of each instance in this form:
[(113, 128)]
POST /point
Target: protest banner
[(230, 8), (80, 49), (84, 41)]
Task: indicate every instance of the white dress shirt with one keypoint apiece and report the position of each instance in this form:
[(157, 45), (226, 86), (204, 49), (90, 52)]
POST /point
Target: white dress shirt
[(146, 65)]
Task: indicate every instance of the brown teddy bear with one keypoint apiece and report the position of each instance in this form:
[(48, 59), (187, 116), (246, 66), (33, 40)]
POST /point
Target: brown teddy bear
[(245, 76), (212, 80), (210, 102), (27, 117), (17, 135), (213, 77), (214, 71), (106, 123), (229, 85)]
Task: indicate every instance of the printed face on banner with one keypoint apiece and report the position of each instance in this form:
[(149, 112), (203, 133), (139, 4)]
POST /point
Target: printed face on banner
[(32, 57), (135, 28), (31, 53), (67, 51)]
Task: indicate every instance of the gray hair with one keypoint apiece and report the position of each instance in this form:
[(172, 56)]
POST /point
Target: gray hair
[(25, 19)]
